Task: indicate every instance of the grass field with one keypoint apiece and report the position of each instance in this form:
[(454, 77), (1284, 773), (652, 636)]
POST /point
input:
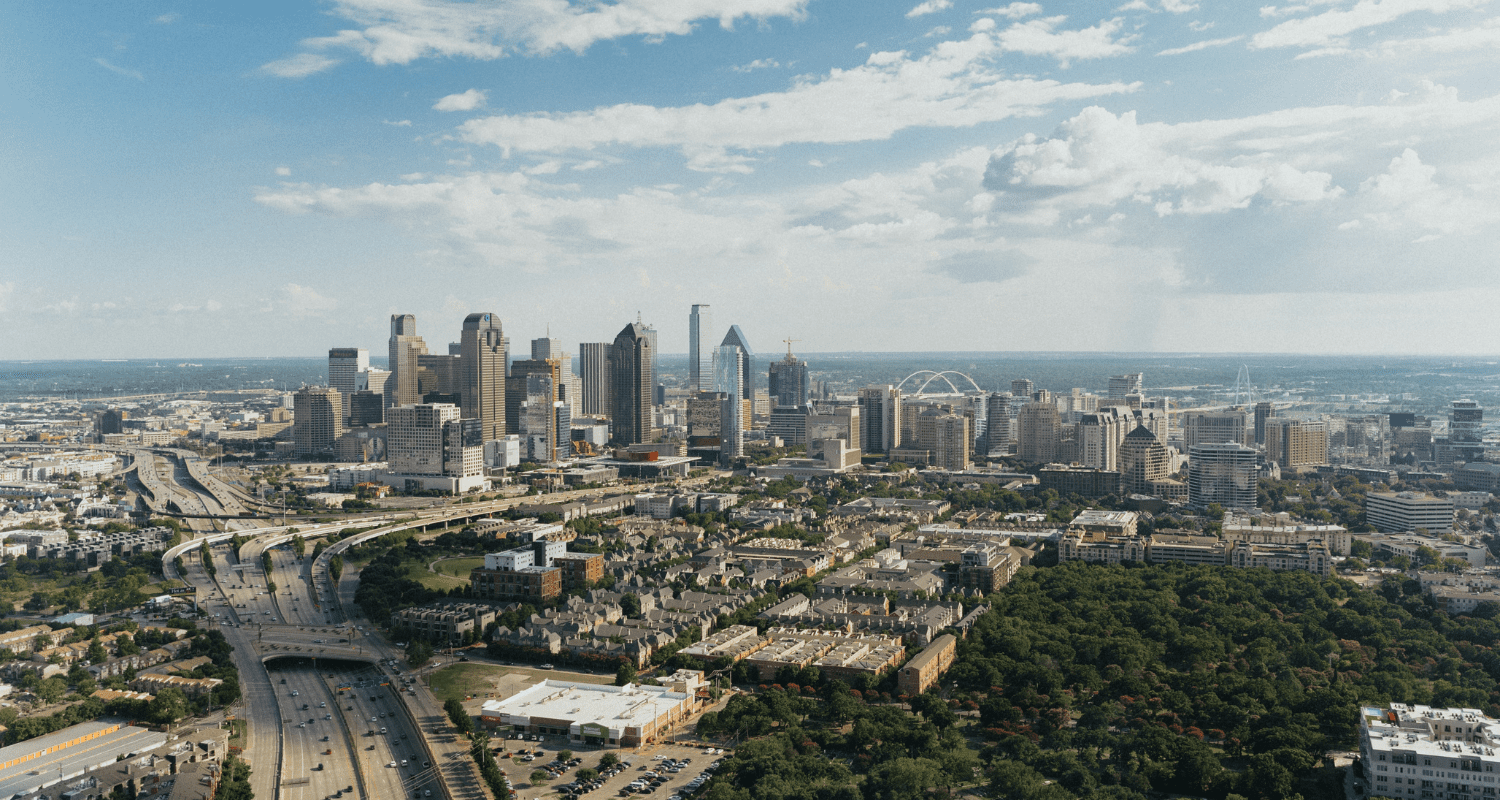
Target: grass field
[(237, 733), (434, 580), (460, 681)]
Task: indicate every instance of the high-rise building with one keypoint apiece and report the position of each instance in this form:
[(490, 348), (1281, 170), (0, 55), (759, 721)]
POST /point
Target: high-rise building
[(440, 378), (365, 408), (841, 422), (1262, 413), (547, 347), (700, 348), (951, 435), (517, 390), (1123, 386), (1038, 429), (1465, 442), (1023, 388), (1214, 427), (482, 374), (1099, 436), (728, 372), (788, 381), (414, 437), (880, 411), (537, 412), (593, 373), (112, 420), (736, 337), (1294, 444), (374, 380), (317, 418), (344, 367), (631, 384), (1143, 460), (405, 346), (1225, 473), (1391, 512)]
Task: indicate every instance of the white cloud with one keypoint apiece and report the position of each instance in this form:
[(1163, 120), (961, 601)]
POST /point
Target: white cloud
[(952, 86), (303, 301), (168, 18), (1196, 46), (283, 171), (465, 101), (1040, 37), (929, 7), (1200, 26), (1169, 6), (399, 123), (1328, 28), (401, 31), (1014, 10), (1407, 195), (759, 63), (129, 73), (299, 66)]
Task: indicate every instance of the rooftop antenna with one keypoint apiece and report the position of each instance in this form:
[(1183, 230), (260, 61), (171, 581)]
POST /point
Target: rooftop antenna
[(789, 346)]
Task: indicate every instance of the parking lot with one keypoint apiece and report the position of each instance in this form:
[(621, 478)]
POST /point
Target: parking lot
[(644, 760)]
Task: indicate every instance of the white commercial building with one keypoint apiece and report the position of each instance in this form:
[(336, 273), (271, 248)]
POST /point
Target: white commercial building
[(1407, 511), (1415, 751), (593, 714)]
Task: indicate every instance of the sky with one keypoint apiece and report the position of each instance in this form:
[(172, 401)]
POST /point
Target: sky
[(259, 179)]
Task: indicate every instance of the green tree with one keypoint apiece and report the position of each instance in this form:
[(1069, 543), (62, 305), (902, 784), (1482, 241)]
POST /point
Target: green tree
[(626, 673), (169, 706), (418, 653)]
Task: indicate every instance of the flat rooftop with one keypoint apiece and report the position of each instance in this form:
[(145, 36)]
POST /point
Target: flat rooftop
[(29, 775), (614, 707)]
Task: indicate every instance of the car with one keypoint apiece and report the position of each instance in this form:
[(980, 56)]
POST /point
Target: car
[(547, 666), (390, 765)]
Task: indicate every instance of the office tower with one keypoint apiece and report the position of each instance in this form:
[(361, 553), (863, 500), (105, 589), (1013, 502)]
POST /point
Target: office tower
[(569, 385), (482, 374), (1214, 427), (1143, 460), (1225, 473), (112, 421), (517, 390), (405, 346), (631, 381), (1022, 387), (1294, 443), (1396, 512), (1038, 430), (317, 419), (593, 369), (1262, 413), (463, 448), (440, 378), (880, 412), (788, 381), (700, 348), (951, 450), (366, 408), (537, 412), (729, 372), (1465, 442), (705, 414), (657, 392), (547, 347), (374, 380), (344, 367), (1123, 386), (736, 337), (842, 422)]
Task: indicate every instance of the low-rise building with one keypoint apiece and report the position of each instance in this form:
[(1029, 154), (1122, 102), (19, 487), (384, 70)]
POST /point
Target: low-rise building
[(192, 687), (835, 653), (450, 623), (735, 642), (1391, 512), (922, 672), (1310, 556), (1417, 751), (592, 714)]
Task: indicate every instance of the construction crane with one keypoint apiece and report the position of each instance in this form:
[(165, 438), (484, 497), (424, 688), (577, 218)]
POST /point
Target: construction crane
[(789, 346)]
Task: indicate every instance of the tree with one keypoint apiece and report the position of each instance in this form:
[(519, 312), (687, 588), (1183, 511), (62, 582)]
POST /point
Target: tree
[(539, 777), (169, 706), (630, 604), (418, 653), (52, 689), (96, 654), (608, 760), (565, 755), (626, 673)]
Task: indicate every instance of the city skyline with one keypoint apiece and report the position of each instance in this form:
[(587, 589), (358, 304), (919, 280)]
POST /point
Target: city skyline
[(1128, 177)]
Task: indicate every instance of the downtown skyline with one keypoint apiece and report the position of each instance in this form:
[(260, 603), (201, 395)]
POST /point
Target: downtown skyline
[(1156, 175)]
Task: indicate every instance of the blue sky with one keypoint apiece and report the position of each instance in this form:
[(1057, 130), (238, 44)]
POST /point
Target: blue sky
[(212, 179)]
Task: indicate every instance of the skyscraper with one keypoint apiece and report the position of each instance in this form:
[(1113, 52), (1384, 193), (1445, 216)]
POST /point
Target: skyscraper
[(951, 452), (593, 369), (482, 370), (1122, 386), (569, 385), (736, 337), (1225, 473), (1038, 428), (344, 366), (631, 384), (728, 368), (1262, 413), (788, 381), (700, 348), (1214, 427), (880, 412), (1143, 460), (1022, 388), (516, 393), (1294, 443), (648, 332), (317, 418), (401, 388)]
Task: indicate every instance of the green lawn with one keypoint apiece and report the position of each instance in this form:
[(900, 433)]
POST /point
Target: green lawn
[(435, 580), (458, 567), (458, 681)]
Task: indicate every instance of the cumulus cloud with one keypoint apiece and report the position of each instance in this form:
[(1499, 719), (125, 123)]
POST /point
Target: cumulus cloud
[(1196, 46), (1100, 159), (1329, 28), (168, 18), (464, 101), (1014, 10), (402, 31), (759, 63), (299, 66), (1040, 37), (303, 301), (952, 86), (929, 7), (283, 171), (1408, 195)]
